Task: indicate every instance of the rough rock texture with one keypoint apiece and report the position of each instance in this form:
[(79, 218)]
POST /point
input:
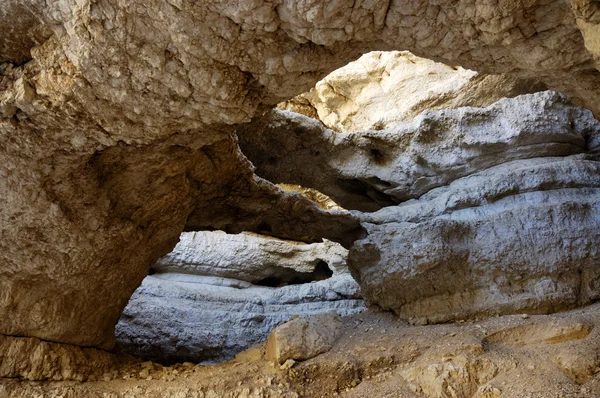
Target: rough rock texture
[(179, 317), (370, 169), (508, 205), (303, 338), (381, 89), (378, 355), (514, 238), (203, 301), (251, 258), (32, 359), (320, 198), (116, 134), (75, 270), (299, 104)]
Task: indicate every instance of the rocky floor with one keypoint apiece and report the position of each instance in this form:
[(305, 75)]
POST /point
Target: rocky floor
[(380, 356)]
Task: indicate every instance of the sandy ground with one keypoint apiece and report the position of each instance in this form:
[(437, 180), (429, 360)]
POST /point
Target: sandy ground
[(380, 356)]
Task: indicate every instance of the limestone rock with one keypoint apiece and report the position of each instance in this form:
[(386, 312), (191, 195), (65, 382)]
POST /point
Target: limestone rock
[(252, 258), (371, 169), (513, 238), (489, 210), (303, 338), (179, 317), (116, 132), (382, 89), (32, 359), (324, 201), (217, 294), (299, 104)]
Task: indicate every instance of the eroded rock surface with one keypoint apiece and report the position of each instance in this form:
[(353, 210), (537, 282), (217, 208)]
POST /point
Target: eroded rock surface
[(382, 89), (371, 169), (303, 338), (514, 238), (116, 121), (252, 258), (217, 294), (490, 210)]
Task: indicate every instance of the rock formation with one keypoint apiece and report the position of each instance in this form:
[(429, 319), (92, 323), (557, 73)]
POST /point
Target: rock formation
[(252, 258), (371, 169), (303, 338), (513, 238), (117, 133), (381, 89), (218, 294), (490, 210), (116, 123)]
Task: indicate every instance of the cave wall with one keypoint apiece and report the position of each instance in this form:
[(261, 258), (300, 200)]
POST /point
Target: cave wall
[(116, 121)]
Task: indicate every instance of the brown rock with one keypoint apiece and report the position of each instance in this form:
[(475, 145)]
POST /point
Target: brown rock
[(303, 338)]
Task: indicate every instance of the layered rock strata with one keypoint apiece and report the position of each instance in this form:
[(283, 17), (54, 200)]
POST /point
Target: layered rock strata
[(250, 257), (371, 169), (116, 120), (519, 237), (490, 210), (217, 294)]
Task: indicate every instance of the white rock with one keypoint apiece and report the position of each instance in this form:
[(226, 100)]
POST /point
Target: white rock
[(249, 257), (382, 89)]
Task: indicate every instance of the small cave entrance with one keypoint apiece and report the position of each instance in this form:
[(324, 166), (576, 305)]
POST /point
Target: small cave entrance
[(217, 294), (285, 277)]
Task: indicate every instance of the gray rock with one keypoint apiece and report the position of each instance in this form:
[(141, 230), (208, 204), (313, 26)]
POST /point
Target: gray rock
[(201, 305), (371, 169), (171, 321), (519, 237), (250, 257), (489, 210)]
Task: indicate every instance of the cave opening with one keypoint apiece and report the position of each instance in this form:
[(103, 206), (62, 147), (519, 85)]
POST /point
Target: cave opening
[(291, 277), (217, 294)]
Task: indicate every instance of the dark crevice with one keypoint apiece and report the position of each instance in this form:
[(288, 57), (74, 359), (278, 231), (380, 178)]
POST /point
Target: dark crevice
[(354, 186), (286, 276)]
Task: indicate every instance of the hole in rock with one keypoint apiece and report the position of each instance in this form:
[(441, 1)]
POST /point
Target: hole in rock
[(376, 155), (291, 277), (375, 132), (217, 294), (324, 201), (367, 189)]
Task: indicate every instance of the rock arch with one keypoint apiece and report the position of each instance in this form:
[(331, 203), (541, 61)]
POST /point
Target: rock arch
[(116, 123)]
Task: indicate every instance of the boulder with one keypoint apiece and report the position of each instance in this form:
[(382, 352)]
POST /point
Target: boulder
[(303, 338)]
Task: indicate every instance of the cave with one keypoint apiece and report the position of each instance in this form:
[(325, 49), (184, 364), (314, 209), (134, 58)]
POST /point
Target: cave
[(299, 199)]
